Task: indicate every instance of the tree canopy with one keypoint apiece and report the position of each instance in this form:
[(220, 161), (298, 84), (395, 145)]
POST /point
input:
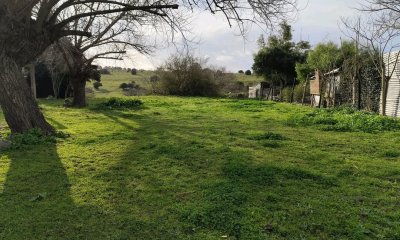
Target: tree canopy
[(28, 27), (276, 59)]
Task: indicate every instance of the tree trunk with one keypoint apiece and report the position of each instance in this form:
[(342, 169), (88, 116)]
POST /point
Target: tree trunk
[(32, 77), (20, 109), (78, 85), (293, 87), (304, 92)]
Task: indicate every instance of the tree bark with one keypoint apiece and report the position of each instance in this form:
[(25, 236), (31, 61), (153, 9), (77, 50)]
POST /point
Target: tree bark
[(20, 108), (32, 76), (79, 98)]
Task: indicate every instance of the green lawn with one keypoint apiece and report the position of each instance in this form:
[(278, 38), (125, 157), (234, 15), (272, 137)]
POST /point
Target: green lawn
[(199, 168)]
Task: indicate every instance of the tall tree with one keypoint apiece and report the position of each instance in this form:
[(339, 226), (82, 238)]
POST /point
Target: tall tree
[(110, 37), (276, 59), (28, 27)]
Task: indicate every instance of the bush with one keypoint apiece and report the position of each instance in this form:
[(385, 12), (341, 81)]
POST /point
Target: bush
[(123, 85), (345, 119), (154, 83), (185, 76), (240, 72), (131, 85), (268, 136), (97, 85), (133, 71), (154, 79), (34, 137), (95, 74), (248, 72), (120, 103), (104, 71)]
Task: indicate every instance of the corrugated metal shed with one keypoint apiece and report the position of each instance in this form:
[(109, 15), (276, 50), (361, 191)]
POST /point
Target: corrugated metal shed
[(393, 95)]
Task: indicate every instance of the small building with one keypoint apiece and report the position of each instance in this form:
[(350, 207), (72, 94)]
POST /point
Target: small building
[(324, 88), (263, 90), (393, 93)]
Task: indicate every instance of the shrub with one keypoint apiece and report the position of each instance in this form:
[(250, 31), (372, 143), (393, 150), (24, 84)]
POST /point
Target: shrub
[(133, 71), (185, 76), (97, 85), (131, 85), (154, 79), (268, 136), (248, 72), (33, 137), (123, 85), (391, 154), (120, 103), (104, 71), (228, 85), (155, 85), (241, 72), (345, 119)]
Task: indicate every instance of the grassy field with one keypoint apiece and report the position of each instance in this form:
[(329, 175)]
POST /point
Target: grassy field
[(112, 82), (199, 168), (248, 79)]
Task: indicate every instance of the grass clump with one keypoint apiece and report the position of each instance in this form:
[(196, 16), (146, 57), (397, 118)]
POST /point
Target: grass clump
[(33, 137), (345, 119), (391, 154), (267, 136), (120, 103)]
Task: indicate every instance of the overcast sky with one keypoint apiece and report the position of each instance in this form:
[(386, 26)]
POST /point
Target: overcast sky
[(317, 22)]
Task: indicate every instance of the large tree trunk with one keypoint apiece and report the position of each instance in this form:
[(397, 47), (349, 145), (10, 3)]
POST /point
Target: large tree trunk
[(78, 85), (20, 109)]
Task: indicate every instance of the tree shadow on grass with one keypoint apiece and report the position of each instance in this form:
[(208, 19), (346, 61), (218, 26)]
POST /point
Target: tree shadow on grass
[(36, 201), (185, 185), (56, 124)]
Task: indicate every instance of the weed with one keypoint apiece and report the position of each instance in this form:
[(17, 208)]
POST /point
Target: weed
[(120, 103), (271, 144), (268, 136), (345, 119), (34, 137), (391, 154)]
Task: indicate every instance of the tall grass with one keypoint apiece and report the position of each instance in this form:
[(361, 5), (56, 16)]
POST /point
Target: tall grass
[(345, 119)]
